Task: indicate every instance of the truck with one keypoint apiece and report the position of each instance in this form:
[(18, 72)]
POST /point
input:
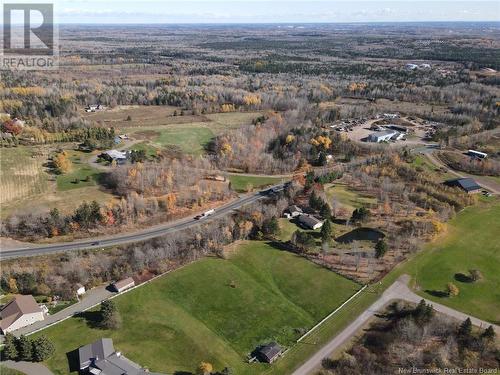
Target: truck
[(205, 214)]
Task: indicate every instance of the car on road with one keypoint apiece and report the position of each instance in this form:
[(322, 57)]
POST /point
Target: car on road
[(95, 243)]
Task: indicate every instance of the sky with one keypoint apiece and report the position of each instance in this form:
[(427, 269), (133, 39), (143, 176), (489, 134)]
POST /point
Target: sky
[(276, 11)]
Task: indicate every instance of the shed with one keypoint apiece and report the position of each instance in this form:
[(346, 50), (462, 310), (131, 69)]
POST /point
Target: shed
[(269, 353), (310, 221), (468, 185), (120, 286)]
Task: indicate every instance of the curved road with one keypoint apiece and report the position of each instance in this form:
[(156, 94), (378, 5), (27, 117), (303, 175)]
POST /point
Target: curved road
[(119, 239), (399, 290)]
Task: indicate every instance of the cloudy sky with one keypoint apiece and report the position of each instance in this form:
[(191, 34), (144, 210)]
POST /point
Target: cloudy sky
[(260, 11)]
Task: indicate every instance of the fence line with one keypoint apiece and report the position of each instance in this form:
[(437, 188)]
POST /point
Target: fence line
[(331, 314), (98, 303)]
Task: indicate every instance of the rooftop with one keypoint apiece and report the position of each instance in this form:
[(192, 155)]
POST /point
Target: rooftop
[(20, 305)]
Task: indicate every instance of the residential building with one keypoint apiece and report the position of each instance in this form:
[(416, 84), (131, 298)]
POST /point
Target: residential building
[(468, 185), (100, 358), (22, 311), (477, 154), (382, 136), (293, 211), (310, 221), (122, 285), (269, 353), (114, 155)]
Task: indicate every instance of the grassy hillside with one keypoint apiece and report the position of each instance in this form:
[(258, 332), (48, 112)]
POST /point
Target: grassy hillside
[(471, 243), (214, 310)]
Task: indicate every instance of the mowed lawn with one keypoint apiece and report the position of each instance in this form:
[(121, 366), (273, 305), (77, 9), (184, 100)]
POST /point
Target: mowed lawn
[(472, 242), (214, 310)]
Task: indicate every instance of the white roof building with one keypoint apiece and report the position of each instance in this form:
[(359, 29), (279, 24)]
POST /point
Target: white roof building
[(382, 136)]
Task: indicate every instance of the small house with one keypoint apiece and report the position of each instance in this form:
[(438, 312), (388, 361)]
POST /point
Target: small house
[(22, 311), (119, 157), (269, 353), (310, 222), (120, 286), (293, 211), (469, 185)]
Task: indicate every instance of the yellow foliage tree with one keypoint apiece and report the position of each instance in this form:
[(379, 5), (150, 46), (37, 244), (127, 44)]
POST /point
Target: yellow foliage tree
[(252, 99), (205, 368), (62, 162), (289, 138), (228, 107)]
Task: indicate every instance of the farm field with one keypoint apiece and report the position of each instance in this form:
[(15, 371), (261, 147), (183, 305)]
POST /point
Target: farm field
[(22, 173), (190, 136), (256, 295)]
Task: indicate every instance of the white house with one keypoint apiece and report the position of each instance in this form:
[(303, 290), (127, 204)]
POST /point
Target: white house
[(381, 136), (292, 211), (122, 285), (22, 311)]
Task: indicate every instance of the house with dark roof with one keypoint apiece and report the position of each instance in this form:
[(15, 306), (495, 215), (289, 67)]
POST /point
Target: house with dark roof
[(293, 211), (310, 222), (468, 185), (269, 353), (22, 311), (100, 358)]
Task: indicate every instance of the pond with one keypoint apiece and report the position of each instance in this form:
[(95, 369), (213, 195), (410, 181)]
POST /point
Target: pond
[(361, 234)]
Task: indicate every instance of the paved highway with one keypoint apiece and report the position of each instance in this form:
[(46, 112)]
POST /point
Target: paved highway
[(119, 239)]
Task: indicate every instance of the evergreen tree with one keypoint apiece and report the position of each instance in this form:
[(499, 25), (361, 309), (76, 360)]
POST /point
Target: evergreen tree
[(43, 349), (10, 349), (325, 211), (326, 231), (24, 348), (110, 316), (465, 328), (380, 248), (489, 333)]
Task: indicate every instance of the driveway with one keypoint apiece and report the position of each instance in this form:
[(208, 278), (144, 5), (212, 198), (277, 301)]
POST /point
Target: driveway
[(399, 290), (91, 298), (29, 368), (485, 182)]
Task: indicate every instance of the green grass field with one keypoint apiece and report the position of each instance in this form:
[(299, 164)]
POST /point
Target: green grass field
[(194, 314), (471, 243), (82, 172), (346, 198), (243, 183)]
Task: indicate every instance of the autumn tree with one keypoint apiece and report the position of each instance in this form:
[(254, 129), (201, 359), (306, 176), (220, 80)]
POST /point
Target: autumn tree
[(452, 290), (475, 275), (62, 163), (205, 368)]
